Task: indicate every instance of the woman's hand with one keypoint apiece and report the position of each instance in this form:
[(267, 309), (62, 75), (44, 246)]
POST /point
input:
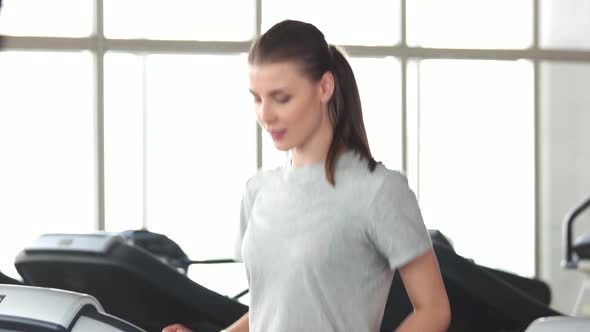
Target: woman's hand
[(176, 328)]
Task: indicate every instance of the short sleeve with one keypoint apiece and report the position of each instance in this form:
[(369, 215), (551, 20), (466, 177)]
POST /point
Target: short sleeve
[(396, 226), (245, 208)]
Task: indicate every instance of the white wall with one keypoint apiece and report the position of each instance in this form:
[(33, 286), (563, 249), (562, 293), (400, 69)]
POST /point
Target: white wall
[(564, 170)]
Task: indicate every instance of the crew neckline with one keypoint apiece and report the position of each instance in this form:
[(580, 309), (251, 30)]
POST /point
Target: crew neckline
[(312, 171)]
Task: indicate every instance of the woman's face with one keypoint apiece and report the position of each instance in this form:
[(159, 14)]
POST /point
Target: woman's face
[(289, 105)]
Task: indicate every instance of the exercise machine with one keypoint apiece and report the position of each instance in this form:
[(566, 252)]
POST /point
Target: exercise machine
[(481, 299), (560, 324), (131, 282), (577, 257), (35, 309)]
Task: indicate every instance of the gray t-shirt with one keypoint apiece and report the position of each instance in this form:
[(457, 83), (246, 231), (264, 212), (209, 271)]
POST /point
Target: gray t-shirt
[(322, 258)]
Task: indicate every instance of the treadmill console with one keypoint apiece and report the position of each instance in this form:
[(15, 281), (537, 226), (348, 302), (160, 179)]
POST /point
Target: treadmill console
[(97, 243), (36, 309)]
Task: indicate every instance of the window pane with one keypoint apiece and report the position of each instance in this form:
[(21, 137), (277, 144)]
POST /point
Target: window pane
[(476, 161), (179, 19), (200, 149), (57, 18), (470, 23), (565, 24), (47, 147), (379, 81), (369, 22), (123, 141)]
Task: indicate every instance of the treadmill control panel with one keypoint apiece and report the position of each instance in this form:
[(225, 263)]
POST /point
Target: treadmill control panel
[(97, 243)]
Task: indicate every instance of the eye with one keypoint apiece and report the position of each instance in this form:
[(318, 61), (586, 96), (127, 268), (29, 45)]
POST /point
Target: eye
[(282, 99), (257, 100)]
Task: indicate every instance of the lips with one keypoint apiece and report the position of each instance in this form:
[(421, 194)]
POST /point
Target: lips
[(277, 134)]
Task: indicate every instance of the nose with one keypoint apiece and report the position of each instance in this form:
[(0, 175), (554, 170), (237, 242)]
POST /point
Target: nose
[(266, 113)]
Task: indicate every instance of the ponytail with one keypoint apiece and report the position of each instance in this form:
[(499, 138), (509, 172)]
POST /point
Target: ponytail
[(346, 116)]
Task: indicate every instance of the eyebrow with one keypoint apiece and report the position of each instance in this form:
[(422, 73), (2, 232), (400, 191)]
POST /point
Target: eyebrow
[(273, 93)]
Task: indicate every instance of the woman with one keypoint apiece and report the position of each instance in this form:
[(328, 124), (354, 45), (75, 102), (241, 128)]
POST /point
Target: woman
[(322, 236)]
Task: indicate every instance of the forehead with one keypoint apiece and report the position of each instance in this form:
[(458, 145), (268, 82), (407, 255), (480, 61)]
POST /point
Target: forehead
[(269, 75)]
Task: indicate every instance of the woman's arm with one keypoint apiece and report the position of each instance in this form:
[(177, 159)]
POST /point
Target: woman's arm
[(241, 325), (427, 293)]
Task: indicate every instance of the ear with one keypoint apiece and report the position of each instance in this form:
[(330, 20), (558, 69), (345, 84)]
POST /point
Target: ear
[(326, 86)]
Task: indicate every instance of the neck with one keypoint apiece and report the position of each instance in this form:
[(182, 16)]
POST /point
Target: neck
[(301, 158), (315, 150)]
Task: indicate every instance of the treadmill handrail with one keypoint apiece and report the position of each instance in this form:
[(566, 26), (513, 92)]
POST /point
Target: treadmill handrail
[(213, 261), (568, 261)]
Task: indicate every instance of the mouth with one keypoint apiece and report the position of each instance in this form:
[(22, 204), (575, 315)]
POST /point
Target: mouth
[(277, 134)]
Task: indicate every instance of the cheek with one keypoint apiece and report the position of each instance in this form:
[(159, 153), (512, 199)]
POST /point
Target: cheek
[(303, 113)]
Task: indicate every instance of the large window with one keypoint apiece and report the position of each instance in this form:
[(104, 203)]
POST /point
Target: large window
[(476, 160), (127, 114), (47, 148)]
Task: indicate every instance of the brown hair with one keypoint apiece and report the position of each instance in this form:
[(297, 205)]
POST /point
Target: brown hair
[(302, 42)]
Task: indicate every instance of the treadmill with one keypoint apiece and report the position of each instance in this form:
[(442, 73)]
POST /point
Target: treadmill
[(480, 301), (34, 309), (129, 281)]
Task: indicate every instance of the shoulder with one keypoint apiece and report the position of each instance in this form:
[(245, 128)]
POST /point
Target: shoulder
[(387, 187), (382, 177), (389, 177), (353, 162), (371, 188)]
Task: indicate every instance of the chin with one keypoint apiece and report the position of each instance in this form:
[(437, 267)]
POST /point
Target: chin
[(282, 146)]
